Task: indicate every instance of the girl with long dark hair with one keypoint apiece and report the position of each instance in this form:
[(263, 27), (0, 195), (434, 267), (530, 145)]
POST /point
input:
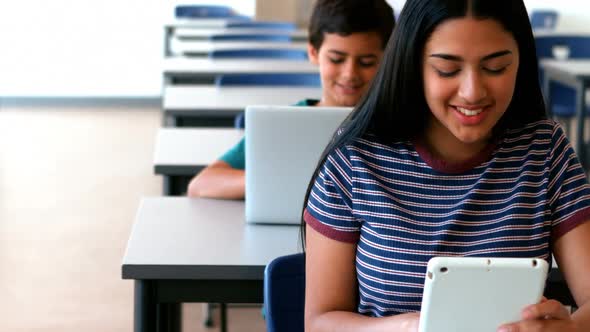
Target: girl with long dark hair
[(448, 154)]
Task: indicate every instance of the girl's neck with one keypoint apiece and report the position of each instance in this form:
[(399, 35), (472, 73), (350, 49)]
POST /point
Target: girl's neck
[(442, 144)]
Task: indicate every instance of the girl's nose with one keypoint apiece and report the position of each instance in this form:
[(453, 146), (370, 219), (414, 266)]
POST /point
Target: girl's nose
[(472, 88)]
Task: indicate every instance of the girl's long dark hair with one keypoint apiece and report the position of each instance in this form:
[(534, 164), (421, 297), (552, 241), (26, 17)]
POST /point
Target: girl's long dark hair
[(394, 108)]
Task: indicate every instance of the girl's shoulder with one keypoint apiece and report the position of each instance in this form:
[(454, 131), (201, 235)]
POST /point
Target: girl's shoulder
[(368, 151), (537, 128), (543, 135)]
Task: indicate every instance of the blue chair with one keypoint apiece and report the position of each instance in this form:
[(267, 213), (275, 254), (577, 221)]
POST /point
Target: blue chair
[(284, 26), (240, 121), (263, 53), (285, 38), (203, 11), (284, 294), (270, 79), (544, 19), (301, 79), (578, 45), (563, 98)]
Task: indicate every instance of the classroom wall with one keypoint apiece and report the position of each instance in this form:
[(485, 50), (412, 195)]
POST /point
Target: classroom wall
[(284, 10), (64, 48), (297, 10), (86, 48)]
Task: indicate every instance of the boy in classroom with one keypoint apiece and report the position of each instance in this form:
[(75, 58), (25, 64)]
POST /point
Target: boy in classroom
[(346, 40)]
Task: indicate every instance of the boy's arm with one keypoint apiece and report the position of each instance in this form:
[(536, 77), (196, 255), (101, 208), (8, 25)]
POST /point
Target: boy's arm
[(218, 180)]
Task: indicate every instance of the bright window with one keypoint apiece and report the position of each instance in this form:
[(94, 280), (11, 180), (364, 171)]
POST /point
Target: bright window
[(84, 47)]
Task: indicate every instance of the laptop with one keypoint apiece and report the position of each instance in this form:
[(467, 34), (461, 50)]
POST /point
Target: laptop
[(283, 147)]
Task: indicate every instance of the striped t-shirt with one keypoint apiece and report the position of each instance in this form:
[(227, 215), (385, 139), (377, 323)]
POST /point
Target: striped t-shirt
[(401, 207)]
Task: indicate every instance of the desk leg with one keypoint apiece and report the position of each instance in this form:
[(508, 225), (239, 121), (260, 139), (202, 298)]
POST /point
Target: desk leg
[(166, 185), (175, 185), (167, 37), (175, 317), (169, 317), (223, 317), (208, 319), (144, 307)]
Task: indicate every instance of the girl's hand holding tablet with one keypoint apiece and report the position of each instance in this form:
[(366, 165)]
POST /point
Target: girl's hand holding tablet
[(548, 315)]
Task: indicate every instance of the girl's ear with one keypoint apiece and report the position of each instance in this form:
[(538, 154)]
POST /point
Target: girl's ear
[(312, 54)]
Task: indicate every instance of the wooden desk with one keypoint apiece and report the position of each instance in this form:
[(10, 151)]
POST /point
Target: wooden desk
[(200, 105), (575, 74), (204, 71), (181, 153), (197, 250)]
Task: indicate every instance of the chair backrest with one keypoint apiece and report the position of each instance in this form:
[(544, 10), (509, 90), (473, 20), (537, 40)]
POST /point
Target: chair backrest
[(301, 80), (270, 79), (544, 19), (263, 53), (286, 38), (561, 46), (203, 11), (284, 293), (284, 26), (578, 46)]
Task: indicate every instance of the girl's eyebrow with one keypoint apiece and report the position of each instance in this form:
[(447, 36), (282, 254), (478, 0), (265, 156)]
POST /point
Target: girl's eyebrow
[(496, 55), (451, 57)]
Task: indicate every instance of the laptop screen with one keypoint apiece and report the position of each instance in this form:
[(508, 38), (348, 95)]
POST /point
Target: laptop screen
[(283, 147)]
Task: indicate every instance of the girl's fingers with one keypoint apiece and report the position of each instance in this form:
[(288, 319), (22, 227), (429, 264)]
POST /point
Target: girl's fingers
[(548, 309)]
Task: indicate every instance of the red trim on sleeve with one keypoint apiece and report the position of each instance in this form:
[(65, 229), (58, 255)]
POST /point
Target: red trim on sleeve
[(572, 222), (350, 237)]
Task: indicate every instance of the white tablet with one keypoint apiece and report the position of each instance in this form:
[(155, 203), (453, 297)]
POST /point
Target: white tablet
[(466, 294)]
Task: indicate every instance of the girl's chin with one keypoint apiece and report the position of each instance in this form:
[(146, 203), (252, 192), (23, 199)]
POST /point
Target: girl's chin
[(473, 138)]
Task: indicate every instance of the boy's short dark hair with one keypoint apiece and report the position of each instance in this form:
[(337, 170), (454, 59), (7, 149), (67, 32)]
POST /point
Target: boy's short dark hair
[(345, 17)]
